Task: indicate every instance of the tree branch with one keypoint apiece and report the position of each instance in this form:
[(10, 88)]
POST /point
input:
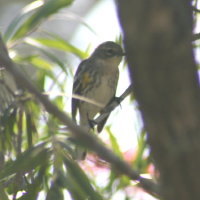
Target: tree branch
[(90, 140), (111, 106)]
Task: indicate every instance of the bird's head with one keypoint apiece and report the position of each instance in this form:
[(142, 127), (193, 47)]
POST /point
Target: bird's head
[(108, 50)]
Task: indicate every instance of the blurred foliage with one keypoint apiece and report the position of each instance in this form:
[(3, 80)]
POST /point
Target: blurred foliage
[(35, 153)]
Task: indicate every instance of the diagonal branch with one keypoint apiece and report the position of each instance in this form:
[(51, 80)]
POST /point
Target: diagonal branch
[(90, 140), (111, 106)]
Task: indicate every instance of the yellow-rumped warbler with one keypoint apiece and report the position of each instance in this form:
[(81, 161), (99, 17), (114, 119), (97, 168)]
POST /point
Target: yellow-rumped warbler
[(96, 79)]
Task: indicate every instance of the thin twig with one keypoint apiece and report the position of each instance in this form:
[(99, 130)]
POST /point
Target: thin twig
[(195, 36), (90, 140), (195, 9)]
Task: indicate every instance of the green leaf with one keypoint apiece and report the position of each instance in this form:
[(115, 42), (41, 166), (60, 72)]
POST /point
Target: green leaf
[(55, 193), (35, 156), (41, 79), (123, 182), (34, 188), (114, 144), (41, 13), (59, 102), (40, 63), (140, 163), (35, 60), (3, 194), (8, 121), (74, 189), (55, 60), (29, 129), (56, 42), (50, 57), (112, 177), (55, 79), (19, 20), (46, 69), (81, 184)]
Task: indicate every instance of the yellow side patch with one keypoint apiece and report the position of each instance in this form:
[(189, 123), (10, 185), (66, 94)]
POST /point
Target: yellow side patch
[(86, 79)]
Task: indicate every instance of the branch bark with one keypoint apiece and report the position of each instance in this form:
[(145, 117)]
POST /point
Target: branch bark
[(112, 105), (160, 55)]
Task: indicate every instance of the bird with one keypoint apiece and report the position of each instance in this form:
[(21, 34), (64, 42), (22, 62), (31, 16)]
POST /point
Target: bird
[(96, 79)]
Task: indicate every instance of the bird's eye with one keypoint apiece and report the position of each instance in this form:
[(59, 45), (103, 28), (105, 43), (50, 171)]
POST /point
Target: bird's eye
[(110, 52)]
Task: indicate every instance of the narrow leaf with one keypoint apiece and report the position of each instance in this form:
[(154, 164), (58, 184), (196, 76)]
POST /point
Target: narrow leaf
[(41, 13), (18, 20), (35, 156), (77, 174), (56, 42), (114, 144)]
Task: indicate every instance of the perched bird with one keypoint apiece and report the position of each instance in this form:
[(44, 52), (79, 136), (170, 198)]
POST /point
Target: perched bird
[(96, 79)]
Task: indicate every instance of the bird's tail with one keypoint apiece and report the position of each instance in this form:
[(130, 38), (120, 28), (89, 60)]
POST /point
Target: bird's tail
[(80, 151)]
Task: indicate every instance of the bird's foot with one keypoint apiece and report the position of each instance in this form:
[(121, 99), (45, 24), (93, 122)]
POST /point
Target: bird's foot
[(92, 123)]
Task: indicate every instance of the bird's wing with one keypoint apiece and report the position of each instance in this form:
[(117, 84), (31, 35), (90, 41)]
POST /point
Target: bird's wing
[(81, 80)]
